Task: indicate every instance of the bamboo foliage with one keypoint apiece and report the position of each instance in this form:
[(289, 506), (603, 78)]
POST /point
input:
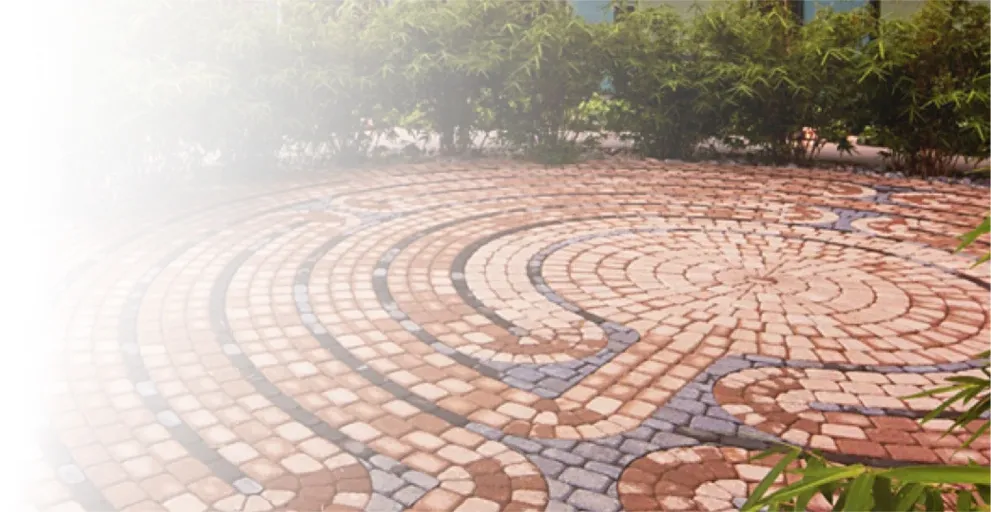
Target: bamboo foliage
[(773, 76), (927, 81), (859, 488), (553, 66), (448, 55), (158, 84), (658, 76), (336, 78)]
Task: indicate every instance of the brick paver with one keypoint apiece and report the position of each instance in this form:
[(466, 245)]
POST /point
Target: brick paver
[(501, 336)]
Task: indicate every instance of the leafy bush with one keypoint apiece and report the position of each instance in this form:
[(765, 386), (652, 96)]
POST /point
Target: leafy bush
[(769, 76), (927, 80), (552, 68), (336, 79), (448, 56), (157, 85), (160, 85), (656, 73)]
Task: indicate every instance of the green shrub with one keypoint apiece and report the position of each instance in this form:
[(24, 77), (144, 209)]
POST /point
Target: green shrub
[(657, 76), (552, 68), (159, 85), (447, 56), (927, 81), (337, 80), (768, 75)]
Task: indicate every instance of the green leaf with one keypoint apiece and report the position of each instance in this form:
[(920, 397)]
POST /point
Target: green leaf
[(945, 404), (965, 501), (859, 493), (970, 237), (769, 479), (908, 497), (774, 450), (967, 379), (815, 480), (814, 463), (984, 491), (940, 474), (884, 499), (934, 500), (983, 429)]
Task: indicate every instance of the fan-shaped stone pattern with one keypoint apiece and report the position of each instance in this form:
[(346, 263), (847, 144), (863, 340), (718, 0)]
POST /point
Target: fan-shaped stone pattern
[(499, 336), (701, 478), (856, 413)]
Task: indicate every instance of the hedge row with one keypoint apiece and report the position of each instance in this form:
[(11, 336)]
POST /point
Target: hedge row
[(158, 84)]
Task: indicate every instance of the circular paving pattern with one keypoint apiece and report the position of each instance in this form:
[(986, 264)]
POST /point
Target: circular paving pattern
[(502, 336), (701, 478)]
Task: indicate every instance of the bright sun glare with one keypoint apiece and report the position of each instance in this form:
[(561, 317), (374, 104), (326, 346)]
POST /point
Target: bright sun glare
[(36, 91)]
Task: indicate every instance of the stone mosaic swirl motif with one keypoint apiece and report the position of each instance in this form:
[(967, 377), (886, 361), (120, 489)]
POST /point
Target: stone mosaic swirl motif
[(501, 336)]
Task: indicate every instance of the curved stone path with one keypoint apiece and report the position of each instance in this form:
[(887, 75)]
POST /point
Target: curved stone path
[(502, 336)]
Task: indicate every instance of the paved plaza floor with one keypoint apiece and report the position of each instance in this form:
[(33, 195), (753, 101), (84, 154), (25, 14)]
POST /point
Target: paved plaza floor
[(491, 335)]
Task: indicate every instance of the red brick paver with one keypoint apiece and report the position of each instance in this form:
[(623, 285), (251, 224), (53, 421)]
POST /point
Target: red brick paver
[(481, 336)]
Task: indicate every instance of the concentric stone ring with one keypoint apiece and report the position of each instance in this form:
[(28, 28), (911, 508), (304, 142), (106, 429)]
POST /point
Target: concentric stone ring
[(504, 336)]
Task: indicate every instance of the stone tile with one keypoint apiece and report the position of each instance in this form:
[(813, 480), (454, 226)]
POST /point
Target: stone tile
[(185, 503), (585, 479), (449, 315), (585, 500)]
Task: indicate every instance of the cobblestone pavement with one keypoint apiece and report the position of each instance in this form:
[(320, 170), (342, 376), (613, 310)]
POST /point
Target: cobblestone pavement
[(501, 336)]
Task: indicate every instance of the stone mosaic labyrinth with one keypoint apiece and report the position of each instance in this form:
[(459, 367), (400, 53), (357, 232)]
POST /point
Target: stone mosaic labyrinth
[(497, 336)]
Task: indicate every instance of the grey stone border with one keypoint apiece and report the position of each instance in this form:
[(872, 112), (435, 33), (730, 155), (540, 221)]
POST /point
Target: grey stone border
[(155, 402)]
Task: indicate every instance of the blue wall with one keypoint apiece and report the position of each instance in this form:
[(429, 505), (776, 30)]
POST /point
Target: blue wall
[(593, 10), (599, 11), (838, 5)]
